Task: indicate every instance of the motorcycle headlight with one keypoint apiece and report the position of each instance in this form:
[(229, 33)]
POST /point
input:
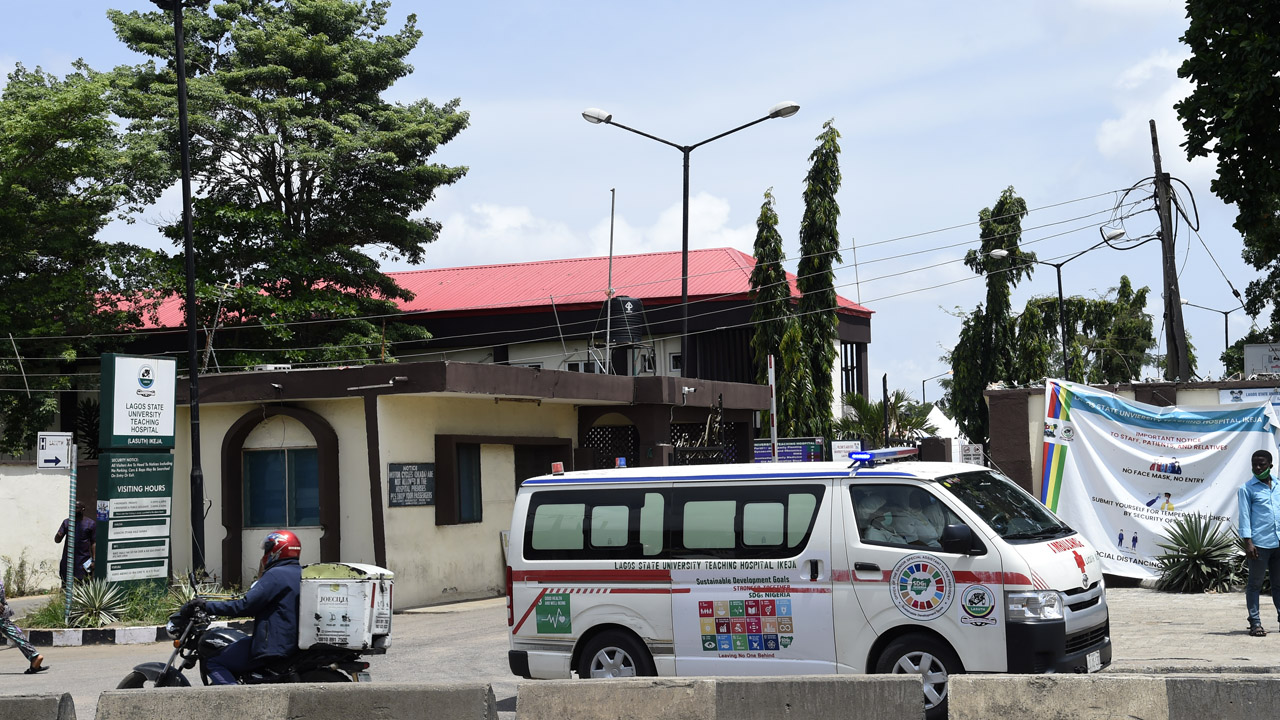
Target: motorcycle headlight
[(1033, 606), (172, 629)]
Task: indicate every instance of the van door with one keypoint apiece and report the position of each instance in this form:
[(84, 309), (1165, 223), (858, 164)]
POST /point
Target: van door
[(901, 576), (751, 580)]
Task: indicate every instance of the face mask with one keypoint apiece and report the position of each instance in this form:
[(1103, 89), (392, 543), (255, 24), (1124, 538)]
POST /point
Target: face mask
[(1264, 475)]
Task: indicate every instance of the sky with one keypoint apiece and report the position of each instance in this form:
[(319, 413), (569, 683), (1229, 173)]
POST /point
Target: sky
[(940, 107)]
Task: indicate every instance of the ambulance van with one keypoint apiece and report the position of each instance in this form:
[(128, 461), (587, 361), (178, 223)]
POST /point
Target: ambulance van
[(800, 568)]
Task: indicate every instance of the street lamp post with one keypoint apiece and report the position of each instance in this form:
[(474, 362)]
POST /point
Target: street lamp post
[(597, 116), (1226, 333), (1107, 237), (193, 367), (922, 382)]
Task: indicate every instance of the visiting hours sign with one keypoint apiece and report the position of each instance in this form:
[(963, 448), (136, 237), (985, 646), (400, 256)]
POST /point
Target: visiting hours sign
[(1120, 471)]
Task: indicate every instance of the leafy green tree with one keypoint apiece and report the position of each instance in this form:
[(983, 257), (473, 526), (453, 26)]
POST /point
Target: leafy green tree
[(985, 349), (305, 176), (770, 291), (1117, 335), (1232, 113), (65, 172), (798, 413), (819, 252), (865, 421)]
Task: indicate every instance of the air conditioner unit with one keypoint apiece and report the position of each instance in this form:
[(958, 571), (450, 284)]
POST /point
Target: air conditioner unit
[(271, 368)]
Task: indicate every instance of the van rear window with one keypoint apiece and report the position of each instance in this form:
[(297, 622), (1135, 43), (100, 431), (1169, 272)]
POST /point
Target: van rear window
[(754, 521)]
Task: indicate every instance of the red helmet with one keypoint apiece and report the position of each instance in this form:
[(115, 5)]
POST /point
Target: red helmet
[(279, 544)]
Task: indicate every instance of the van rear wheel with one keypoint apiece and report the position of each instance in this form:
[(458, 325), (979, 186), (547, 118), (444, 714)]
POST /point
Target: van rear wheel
[(932, 660), (613, 655)]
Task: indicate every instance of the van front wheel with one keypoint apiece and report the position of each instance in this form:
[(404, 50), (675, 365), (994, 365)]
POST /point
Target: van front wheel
[(932, 660), (614, 655)]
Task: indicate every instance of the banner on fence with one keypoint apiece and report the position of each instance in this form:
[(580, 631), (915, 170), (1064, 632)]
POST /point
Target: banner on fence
[(1119, 471)]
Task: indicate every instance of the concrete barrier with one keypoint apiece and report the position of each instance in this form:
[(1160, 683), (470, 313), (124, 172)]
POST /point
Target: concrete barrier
[(37, 707), (1147, 697), (807, 697), (313, 701), (1056, 697)]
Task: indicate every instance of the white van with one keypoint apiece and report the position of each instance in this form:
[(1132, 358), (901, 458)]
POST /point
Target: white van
[(774, 569)]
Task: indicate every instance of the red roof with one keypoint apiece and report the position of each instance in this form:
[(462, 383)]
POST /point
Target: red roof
[(652, 277)]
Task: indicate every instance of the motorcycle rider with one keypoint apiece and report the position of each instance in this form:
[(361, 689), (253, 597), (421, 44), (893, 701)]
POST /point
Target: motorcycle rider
[(273, 602)]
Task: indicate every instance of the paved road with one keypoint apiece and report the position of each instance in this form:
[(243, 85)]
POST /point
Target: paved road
[(1151, 631)]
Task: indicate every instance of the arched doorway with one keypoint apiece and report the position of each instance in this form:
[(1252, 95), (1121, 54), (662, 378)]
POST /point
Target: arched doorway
[(315, 462)]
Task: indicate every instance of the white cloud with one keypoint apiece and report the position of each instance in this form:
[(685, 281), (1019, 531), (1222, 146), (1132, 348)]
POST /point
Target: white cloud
[(487, 233), (1148, 91)]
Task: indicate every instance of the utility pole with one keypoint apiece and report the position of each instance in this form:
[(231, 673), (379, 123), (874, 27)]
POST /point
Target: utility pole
[(1177, 364)]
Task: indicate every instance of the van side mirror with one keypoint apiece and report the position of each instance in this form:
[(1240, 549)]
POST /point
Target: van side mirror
[(958, 539)]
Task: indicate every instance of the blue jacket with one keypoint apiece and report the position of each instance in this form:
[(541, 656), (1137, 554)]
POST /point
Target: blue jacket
[(1260, 513), (273, 603)]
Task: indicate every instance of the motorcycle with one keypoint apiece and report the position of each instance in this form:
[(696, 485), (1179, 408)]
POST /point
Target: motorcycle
[(195, 642)]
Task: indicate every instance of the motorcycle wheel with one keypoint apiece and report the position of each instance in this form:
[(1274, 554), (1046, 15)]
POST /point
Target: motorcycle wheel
[(324, 675), (136, 680)]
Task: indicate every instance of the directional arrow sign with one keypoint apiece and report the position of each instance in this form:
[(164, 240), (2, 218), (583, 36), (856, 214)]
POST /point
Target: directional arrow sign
[(53, 450)]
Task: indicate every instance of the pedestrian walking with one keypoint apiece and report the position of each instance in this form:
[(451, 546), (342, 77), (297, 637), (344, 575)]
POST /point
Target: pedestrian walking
[(86, 544), (1260, 529), (11, 631)]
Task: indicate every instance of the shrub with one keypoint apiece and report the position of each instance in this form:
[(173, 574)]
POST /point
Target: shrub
[(24, 577), (1203, 556), (96, 602)]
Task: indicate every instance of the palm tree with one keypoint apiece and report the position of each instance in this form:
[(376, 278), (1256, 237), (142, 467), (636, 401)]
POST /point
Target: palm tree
[(865, 420)]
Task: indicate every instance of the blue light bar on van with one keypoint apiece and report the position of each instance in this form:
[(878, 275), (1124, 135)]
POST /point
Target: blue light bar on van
[(874, 457)]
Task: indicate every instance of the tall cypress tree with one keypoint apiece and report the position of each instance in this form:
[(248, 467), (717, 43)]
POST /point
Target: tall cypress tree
[(770, 292), (820, 251)]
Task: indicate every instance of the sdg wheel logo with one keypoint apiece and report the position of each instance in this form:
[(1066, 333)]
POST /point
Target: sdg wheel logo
[(922, 586)]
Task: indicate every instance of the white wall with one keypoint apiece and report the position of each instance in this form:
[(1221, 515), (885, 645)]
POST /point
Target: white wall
[(32, 505), (439, 563)]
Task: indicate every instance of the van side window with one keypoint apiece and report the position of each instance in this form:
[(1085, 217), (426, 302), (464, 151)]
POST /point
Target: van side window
[(902, 515), (709, 524), (595, 525), (558, 527), (762, 523), (609, 525), (748, 521)]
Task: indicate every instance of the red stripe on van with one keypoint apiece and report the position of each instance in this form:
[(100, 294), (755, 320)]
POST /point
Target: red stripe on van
[(966, 577), (565, 576), (525, 616)]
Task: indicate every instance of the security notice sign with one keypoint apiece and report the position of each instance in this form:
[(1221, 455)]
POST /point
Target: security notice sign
[(137, 490), (137, 402)]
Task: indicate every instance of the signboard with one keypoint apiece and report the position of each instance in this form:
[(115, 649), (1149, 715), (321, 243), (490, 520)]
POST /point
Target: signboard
[(1261, 360), (1238, 395), (811, 449), (137, 402), (135, 499), (971, 453), (840, 449), (53, 451), (411, 484), (1120, 471)]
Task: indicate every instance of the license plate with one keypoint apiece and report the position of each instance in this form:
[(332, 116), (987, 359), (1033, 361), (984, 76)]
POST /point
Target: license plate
[(1094, 661), (365, 677)]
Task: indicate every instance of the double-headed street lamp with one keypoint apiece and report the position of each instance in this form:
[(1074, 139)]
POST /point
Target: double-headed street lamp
[(597, 116), (193, 366), (1226, 336)]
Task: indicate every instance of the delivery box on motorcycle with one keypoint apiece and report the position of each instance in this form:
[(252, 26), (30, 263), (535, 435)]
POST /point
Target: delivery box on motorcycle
[(347, 605)]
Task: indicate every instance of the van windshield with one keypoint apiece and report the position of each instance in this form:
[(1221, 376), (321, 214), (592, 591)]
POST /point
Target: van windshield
[(1008, 509)]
